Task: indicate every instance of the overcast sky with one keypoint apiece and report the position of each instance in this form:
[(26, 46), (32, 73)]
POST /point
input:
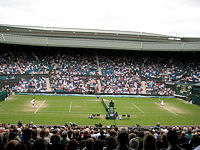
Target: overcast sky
[(170, 17)]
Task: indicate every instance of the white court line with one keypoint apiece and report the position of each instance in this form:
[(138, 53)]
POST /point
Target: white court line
[(137, 108), (3, 104), (164, 107), (171, 111), (39, 107), (70, 107)]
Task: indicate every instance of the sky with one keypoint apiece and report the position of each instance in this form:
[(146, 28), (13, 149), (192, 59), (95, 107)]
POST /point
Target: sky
[(179, 18)]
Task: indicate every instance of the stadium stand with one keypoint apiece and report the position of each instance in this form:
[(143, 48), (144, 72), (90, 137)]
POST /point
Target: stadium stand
[(32, 85), (73, 84), (97, 71)]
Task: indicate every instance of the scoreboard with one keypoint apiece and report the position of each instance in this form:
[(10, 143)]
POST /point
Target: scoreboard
[(183, 89)]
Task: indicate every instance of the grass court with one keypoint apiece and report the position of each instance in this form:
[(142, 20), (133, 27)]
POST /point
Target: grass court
[(58, 110)]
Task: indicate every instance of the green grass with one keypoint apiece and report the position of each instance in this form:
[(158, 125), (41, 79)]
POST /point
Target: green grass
[(57, 110)]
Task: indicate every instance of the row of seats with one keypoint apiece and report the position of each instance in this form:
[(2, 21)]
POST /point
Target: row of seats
[(117, 72)]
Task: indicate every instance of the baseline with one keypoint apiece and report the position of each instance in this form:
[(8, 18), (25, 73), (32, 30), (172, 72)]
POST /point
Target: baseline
[(137, 108), (70, 107), (164, 107), (39, 107)]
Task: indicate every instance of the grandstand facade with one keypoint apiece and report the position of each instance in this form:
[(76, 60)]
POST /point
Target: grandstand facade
[(78, 62)]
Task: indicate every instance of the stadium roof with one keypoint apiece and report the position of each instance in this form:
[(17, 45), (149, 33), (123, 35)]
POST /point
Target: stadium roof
[(90, 38)]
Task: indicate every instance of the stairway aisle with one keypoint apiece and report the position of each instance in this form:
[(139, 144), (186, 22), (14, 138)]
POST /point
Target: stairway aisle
[(49, 89), (99, 68), (19, 68), (144, 87), (99, 85)]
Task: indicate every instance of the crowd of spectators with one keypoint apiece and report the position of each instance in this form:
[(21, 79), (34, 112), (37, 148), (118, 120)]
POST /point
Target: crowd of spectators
[(7, 68), (75, 73), (170, 67), (34, 67), (194, 76), (119, 72), (128, 84), (113, 65), (31, 85), (80, 65), (76, 84), (155, 88), (25, 62), (31, 137), (117, 76)]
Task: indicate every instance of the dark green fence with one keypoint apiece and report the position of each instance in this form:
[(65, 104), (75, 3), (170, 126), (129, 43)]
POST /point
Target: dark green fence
[(196, 94), (195, 99), (3, 94)]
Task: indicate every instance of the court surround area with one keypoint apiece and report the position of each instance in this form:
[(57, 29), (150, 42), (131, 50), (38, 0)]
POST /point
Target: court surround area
[(58, 110)]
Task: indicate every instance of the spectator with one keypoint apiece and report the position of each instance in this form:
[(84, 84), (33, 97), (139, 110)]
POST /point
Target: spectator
[(64, 139), (11, 145), (182, 138), (89, 144), (55, 143), (195, 141), (72, 145), (39, 144), (102, 136), (111, 143), (123, 139), (172, 138), (164, 142), (98, 144), (22, 146), (19, 124), (149, 142), (26, 139), (134, 143)]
